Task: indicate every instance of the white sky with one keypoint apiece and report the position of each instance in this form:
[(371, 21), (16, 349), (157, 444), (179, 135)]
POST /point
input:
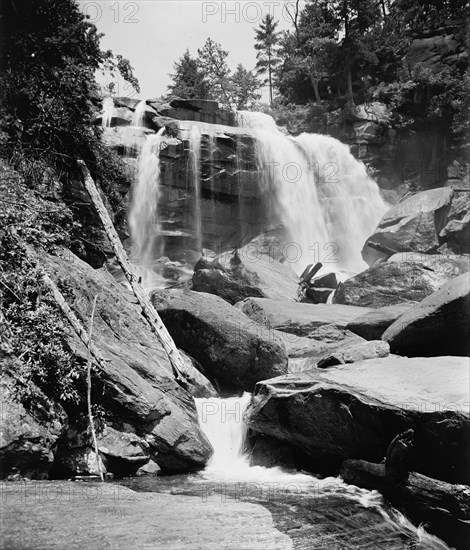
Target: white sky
[(153, 34)]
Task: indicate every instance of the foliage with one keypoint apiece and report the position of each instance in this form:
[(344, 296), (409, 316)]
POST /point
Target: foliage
[(36, 330), (48, 92), (244, 88), (189, 80), (209, 77)]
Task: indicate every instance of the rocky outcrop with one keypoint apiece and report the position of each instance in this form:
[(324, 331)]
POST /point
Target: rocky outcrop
[(297, 318), (29, 432), (234, 351), (144, 406), (412, 225), (237, 276), (390, 283), (373, 324), (354, 411), (436, 326), (456, 233), (321, 341), (355, 352)]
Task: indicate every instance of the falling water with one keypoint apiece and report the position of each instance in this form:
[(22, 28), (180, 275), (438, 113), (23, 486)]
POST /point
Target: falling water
[(138, 114), (323, 195), (195, 174), (143, 218), (221, 420), (107, 112)]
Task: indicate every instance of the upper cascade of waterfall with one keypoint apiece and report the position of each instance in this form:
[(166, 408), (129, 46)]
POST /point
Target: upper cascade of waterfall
[(321, 193), (107, 112), (139, 113), (143, 216)]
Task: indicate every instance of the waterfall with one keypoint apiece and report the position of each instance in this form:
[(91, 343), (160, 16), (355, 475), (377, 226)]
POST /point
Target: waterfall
[(138, 115), (107, 112), (321, 193), (221, 420), (195, 174), (143, 216)]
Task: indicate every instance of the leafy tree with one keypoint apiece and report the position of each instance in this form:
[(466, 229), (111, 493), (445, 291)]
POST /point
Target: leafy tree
[(48, 91), (311, 47), (266, 40), (245, 88), (189, 81), (212, 60)]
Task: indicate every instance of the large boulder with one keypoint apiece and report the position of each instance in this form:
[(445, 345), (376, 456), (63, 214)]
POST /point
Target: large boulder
[(389, 283), (29, 433), (373, 324), (436, 326), (136, 386), (237, 276), (354, 411), (234, 351), (413, 224), (297, 318)]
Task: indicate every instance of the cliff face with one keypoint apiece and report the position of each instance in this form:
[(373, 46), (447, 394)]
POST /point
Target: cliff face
[(231, 207)]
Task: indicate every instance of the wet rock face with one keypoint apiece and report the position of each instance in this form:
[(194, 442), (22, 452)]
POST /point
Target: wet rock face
[(231, 197), (354, 411)]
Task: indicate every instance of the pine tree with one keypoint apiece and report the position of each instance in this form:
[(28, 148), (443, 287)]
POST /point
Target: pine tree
[(267, 39), (212, 60), (189, 81)]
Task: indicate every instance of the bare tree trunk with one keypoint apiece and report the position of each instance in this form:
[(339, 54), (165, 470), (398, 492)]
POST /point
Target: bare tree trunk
[(88, 381), (350, 94), (148, 310), (270, 79), (314, 83)]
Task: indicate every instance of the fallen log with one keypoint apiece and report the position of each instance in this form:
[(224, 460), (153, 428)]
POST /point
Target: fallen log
[(148, 310)]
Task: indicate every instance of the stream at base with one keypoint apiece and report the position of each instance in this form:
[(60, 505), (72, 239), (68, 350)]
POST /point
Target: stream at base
[(315, 513)]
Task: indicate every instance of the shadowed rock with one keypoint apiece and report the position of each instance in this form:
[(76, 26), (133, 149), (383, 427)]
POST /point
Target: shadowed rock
[(354, 411)]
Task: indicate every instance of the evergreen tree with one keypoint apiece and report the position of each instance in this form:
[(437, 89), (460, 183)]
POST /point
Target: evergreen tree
[(245, 88), (267, 39), (189, 82)]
